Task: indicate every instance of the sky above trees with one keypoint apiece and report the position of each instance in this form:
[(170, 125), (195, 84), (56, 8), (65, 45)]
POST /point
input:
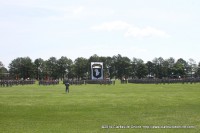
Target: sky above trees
[(142, 29)]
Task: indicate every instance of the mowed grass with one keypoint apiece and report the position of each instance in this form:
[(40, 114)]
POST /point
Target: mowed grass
[(48, 109)]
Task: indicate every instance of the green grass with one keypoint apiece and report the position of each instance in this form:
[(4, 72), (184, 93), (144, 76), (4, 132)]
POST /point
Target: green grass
[(48, 109)]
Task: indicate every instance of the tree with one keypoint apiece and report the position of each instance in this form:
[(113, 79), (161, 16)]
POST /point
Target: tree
[(150, 69), (139, 69), (1, 64), (94, 58), (64, 67), (39, 67), (121, 66), (108, 67), (22, 68), (158, 67), (197, 73), (192, 67), (169, 64), (117, 66), (52, 68), (3, 70), (134, 67), (165, 69), (180, 68), (81, 68)]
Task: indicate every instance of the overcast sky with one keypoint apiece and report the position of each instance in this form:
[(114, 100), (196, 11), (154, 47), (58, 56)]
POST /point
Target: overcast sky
[(80, 28)]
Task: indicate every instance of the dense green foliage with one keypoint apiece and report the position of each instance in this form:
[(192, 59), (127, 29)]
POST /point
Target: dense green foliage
[(114, 67), (3, 70), (87, 108)]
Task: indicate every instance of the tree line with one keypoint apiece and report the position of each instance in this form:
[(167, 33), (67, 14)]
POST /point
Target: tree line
[(117, 66)]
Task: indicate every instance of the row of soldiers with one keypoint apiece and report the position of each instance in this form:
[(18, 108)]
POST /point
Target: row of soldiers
[(101, 82), (74, 82), (164, 81), (10, 83), (81, 82), (48, 82)]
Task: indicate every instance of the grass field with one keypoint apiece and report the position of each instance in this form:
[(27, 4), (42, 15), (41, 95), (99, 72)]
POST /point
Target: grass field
[(88, 108)]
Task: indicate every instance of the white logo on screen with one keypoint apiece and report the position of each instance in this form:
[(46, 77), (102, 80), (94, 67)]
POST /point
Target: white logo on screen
[(97, 72)]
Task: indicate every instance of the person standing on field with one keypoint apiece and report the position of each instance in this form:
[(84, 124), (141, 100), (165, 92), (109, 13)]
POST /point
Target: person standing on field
[(67, 87)]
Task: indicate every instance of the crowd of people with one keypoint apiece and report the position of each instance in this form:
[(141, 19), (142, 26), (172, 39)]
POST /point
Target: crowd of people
[(10, 83), (81, 82), (164, 81), (74, 82), (48, 82)]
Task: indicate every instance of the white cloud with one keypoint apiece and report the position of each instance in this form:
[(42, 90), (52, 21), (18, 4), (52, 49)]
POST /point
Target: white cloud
[(130, 30), (66, 13), (112, 26), (54, 11), (145, 32), (73, 10), (78, 10), (22, 2)]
